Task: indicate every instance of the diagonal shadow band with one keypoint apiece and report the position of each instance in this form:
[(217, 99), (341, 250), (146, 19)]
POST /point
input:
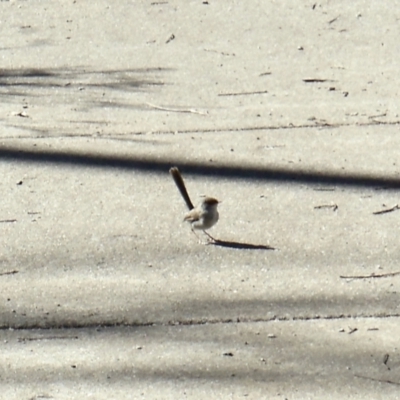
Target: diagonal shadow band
[(150, 165)]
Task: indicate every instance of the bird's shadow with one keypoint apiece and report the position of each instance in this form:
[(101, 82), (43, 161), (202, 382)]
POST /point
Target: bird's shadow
[(240, 245)]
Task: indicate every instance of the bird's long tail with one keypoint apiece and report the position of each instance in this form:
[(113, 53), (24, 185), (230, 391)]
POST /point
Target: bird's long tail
[(177, 177)]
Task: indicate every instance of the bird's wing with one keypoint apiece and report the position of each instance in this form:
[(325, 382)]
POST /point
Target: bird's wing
[(192, 216)]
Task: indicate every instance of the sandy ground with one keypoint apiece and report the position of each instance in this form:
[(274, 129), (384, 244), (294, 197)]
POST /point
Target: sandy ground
[(286, 112)]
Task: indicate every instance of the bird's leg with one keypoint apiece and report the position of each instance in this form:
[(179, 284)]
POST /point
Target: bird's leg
[(212, 239), (195, 234)]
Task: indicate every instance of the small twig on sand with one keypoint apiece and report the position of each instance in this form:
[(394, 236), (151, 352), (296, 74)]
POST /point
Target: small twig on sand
[(316, 80), (388, 210), (378, 380), (9, 272), (373, 275), (385, 360), (172, 37), (243, 93), (190, 110), (333, 206), (31, 339)]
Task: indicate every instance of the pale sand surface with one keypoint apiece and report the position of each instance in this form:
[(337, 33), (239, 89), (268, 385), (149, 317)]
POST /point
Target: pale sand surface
[(286, 112)]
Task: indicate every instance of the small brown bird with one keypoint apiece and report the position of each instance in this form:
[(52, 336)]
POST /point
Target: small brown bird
[(202, 217)]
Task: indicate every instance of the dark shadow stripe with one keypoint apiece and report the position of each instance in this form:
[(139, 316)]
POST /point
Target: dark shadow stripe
[(281, 175)]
